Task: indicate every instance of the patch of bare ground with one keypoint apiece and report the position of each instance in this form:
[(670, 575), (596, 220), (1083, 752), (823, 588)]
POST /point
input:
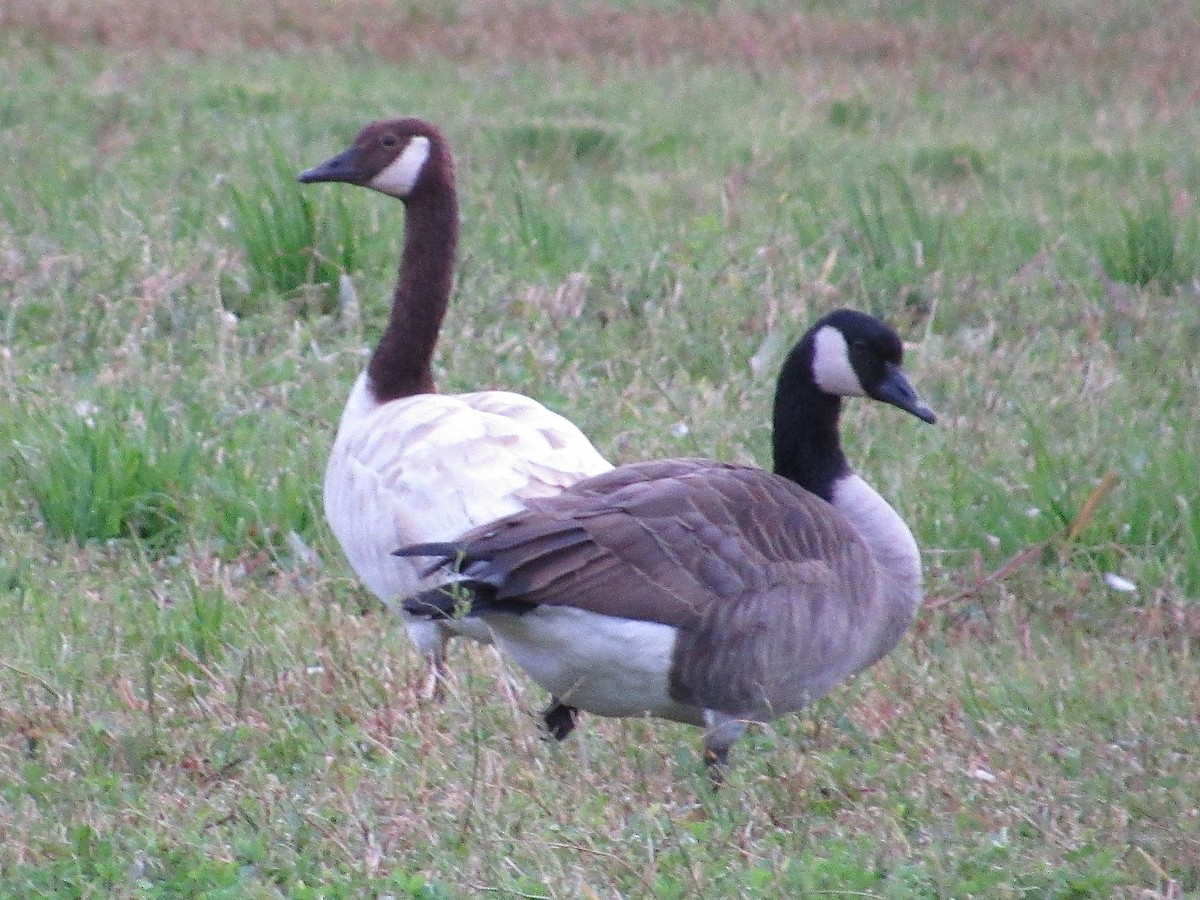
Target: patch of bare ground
[(1154, 53)]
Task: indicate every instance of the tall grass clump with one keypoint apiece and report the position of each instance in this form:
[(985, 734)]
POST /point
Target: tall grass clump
[(851, 113), (1152, 248), (262, 490), (948, 163), (291, 243), (107, 470), (900, 240), (1155, 524), (561, 141), (140, 468)]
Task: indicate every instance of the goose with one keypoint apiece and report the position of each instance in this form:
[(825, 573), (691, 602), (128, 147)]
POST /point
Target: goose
[(409, 464), (705, 592)]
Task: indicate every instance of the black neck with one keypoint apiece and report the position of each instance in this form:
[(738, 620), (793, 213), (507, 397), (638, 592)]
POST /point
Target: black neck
[(808, 448), (402, 363)]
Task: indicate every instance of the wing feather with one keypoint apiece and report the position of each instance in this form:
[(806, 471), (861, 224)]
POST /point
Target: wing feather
[(665, 543)]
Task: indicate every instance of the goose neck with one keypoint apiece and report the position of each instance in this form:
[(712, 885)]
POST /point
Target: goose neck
[(402, 364), (807, 446), (808, 451)]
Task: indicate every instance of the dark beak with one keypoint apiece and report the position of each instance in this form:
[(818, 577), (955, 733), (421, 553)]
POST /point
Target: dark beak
[(343, 167), (898, 391)]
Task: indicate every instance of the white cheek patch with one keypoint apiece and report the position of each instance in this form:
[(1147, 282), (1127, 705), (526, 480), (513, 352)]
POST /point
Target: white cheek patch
[(401, 174), (831, 364)]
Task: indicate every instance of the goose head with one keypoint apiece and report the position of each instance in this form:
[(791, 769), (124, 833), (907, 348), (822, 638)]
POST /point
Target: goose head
[(845, 354), (853, 354), (397, 157)]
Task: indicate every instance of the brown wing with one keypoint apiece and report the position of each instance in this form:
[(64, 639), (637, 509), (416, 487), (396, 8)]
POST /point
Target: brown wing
[(668, 541)]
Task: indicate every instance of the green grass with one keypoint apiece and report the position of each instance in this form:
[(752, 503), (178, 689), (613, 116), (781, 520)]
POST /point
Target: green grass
[(1153, 248), (292, 247), (101, 474), (196, 698), (900, 243)]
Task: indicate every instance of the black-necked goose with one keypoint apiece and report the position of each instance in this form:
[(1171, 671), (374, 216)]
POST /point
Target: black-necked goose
[(703, 592), (409, 464)]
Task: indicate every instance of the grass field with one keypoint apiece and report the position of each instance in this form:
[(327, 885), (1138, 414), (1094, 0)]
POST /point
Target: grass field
[(196, 697)]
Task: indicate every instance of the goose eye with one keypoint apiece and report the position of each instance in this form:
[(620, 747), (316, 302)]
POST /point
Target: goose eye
[(388, 140)]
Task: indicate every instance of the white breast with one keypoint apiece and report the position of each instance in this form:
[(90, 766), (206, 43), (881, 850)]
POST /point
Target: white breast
[(886, 534), (429, 467), (606, 665)]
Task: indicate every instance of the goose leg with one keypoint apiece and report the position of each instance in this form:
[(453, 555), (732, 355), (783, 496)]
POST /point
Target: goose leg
[(504, 678), (720, 733), (434, 688), (559, 719)]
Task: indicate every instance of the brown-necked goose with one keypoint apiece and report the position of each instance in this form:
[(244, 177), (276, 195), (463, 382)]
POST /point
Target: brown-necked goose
[(704, 592), (409, 464)]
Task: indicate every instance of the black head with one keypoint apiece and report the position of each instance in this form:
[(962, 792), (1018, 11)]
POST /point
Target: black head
[(856, 355), (394, 157)]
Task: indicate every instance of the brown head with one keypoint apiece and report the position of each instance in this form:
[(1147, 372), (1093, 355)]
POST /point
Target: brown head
[(397, 157), (408, 159)]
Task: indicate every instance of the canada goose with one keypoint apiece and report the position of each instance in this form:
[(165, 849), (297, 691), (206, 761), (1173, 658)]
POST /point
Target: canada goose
[(409, 464), (703, 592)]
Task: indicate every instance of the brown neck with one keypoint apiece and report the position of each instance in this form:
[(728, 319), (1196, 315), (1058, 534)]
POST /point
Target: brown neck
[(402, 363)]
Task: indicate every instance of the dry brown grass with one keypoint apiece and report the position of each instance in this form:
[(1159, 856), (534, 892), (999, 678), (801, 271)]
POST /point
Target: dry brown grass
[(1099, 47)]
